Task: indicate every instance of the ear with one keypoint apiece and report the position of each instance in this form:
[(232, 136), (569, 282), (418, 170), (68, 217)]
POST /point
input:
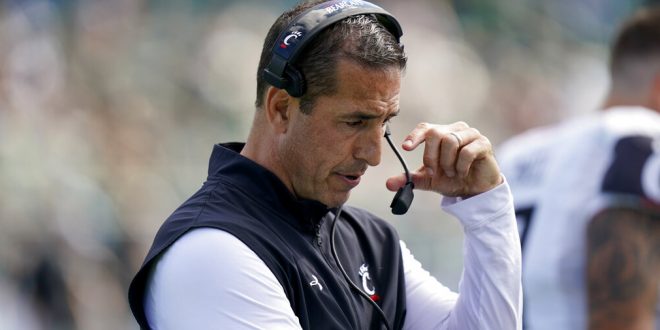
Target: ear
[(277, 108)]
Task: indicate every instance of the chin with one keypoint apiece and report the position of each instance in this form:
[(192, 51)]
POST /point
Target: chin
[(337, 200)]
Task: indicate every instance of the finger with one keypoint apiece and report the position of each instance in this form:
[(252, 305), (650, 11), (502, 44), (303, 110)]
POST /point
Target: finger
[(459, 126), (420, 178), (448, 153), (477, 149), (395, 182), (452, 142), (416, 136), (431, 152)]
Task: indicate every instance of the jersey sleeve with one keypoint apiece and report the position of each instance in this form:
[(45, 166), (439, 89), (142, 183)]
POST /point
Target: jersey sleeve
[(490, 292), (197, 284)]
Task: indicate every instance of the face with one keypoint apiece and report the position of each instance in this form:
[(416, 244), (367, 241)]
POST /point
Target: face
[(325, 153)]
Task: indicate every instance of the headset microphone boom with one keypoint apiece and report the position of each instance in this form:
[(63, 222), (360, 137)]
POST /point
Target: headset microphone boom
[(404, 196)]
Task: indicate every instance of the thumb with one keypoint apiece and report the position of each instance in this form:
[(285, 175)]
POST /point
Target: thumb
[(395, 182)]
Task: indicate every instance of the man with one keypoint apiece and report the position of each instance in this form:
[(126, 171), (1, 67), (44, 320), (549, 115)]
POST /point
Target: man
[(587, 263), (266, 243)]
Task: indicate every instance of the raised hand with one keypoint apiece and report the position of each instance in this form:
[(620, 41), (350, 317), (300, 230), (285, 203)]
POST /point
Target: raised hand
[(458, 160)]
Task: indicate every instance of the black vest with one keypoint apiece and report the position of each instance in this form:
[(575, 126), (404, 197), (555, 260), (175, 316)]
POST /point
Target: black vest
[(292, 237)]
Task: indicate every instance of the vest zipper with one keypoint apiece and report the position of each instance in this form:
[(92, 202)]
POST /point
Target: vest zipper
[(317, 236)]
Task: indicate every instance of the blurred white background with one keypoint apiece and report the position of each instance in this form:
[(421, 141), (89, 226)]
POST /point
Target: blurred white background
[(109, 111)]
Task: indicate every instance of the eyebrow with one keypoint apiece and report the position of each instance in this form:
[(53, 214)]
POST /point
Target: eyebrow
[(367, 116)]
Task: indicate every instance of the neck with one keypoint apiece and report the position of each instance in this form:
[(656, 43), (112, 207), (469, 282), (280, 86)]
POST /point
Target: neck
[(615, 99), (642, 92), (257, 147), (261, 147)]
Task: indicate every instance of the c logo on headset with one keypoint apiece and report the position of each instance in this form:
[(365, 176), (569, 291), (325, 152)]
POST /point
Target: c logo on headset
[(281, 71), (294, 35)]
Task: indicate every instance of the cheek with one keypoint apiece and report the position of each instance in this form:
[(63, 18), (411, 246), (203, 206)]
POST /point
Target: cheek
[(319, 150), (307, 152), (329, 150), (331, 139)]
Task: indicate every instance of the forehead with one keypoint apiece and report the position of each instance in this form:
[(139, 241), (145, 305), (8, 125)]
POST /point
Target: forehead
[(375, 91)]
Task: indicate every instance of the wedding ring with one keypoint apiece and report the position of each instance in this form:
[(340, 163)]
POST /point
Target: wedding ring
[(458, 138)]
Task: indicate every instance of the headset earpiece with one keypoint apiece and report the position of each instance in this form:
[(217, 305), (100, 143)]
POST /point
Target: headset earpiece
[(297, 85)]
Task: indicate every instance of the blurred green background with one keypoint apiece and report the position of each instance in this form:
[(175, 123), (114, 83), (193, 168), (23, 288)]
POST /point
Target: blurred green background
[(109, 110)]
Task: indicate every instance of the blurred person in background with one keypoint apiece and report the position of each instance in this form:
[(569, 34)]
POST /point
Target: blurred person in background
[(628, 256), (267, 241), (584, 268)]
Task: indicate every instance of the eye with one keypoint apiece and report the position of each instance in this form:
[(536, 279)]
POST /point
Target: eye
[(355, 123)]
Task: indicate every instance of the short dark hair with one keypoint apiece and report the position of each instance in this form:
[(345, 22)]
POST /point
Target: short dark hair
[(636, 46), (361, 38)]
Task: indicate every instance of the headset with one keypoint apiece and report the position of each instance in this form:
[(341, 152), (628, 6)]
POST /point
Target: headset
[(281, 72)]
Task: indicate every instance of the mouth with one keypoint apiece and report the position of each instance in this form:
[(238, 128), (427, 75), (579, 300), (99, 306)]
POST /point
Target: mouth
[(351, 179)]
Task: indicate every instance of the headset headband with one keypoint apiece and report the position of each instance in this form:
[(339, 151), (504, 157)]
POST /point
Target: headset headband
[(290, 43)]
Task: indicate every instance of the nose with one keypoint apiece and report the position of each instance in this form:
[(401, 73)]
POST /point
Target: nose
[(368, 146)]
